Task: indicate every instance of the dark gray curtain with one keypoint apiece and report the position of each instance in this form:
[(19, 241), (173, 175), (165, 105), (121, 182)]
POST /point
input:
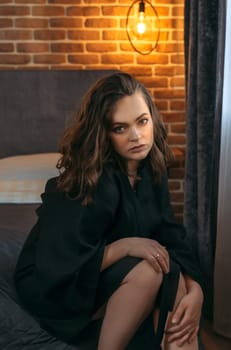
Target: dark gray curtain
[(204, 52)]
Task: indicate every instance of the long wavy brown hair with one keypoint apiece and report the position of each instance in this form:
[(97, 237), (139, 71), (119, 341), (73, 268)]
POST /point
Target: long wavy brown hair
[(86, 146)]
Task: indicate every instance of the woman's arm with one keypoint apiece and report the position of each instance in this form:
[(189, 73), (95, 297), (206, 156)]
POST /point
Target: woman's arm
[(113, 252), (193, 286), (144, 248)]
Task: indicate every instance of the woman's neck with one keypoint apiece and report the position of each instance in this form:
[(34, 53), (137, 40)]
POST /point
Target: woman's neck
[(132, 173), (132, 168)]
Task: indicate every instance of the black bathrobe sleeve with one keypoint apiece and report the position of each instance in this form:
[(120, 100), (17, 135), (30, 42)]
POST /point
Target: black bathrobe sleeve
[(173, 235), (62, 258)]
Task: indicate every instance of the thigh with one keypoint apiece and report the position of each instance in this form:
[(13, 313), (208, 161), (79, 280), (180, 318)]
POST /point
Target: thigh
[(112, 277)]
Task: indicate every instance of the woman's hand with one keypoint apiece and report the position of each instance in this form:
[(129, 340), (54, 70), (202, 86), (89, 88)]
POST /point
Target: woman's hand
[(150, 250), (145, 248), (184, 322)]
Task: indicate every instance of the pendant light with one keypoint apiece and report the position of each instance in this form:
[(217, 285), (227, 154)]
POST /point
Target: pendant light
[(143, 26)]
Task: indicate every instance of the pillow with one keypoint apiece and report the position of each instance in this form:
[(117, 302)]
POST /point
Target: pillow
[(23, 178)]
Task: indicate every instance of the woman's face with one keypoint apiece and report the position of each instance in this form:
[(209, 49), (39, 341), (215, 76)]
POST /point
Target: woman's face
[(131, 130)]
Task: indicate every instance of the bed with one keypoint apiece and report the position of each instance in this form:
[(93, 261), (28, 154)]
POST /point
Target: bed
[(36, 106)]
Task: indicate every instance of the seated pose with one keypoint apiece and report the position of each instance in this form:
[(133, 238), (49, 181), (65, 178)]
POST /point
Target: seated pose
[(106, 247)]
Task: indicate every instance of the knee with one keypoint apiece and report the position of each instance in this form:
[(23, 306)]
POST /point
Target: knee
[(144, 276)]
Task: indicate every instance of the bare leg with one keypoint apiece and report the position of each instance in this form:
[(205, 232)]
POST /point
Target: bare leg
[(128, 307), (173, 346)]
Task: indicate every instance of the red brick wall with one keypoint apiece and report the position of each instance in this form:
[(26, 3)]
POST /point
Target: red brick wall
[(90, 34)]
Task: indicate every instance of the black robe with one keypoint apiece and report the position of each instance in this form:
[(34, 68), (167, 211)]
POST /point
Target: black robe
[(58, 272)]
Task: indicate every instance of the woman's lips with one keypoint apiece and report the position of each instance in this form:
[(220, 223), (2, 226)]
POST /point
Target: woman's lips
[(137, 149)]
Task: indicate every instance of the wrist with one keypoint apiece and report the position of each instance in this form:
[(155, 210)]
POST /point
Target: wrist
[(193, 286), (121, 247), (113, 252)]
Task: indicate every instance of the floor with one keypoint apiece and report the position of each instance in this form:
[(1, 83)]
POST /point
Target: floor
[(213, 341)]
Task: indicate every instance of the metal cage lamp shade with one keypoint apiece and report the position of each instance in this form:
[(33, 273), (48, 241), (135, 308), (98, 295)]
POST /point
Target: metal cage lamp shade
[(143, 26)]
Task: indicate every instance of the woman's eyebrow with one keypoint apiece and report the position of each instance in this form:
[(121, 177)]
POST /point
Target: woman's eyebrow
[(125, 123), (141, 115), (119, 123)]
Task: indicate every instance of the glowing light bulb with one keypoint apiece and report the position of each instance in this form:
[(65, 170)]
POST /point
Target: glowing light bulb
[(141, 27)]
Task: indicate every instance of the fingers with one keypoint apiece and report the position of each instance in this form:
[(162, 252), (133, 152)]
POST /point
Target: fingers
[(158, 262), (158, 248), (178, 315), (193, 334), (149, 249), (182, 340), (173, 335), (160, 254), (188, 335), (181, 328), (178, 321), (182, 331), (154, 263), (162, 262)]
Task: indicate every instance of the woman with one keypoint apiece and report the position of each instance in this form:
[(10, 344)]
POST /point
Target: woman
[(106, 245)]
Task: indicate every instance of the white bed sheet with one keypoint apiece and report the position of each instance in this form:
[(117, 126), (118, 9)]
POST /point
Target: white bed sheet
[(23, 178)]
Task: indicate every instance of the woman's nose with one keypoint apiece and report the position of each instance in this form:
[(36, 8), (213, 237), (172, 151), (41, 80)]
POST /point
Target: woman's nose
[(134, 135)]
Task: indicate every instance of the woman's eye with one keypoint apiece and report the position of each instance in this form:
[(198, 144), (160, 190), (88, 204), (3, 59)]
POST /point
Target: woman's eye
[(118, 129), (143, 121)]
